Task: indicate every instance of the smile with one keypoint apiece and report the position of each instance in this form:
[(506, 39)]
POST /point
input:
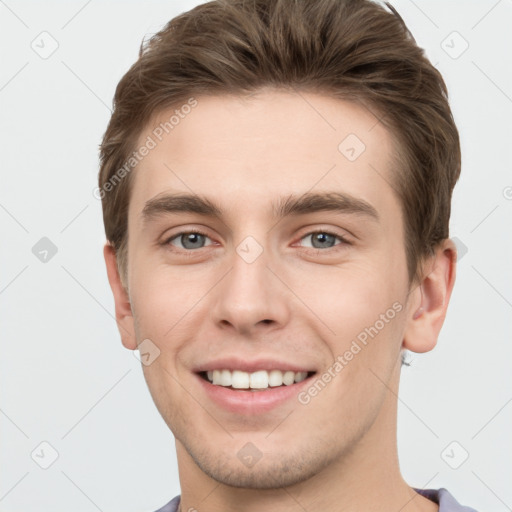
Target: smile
[(258, 380)]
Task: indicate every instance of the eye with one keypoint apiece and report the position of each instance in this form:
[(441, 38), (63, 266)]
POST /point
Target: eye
[(194, 239), (189, 240), (324, 239)]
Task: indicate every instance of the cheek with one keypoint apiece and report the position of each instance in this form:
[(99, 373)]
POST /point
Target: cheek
[(364, 355), (363, 307), (352, 297), (162, 298), (172, 402)]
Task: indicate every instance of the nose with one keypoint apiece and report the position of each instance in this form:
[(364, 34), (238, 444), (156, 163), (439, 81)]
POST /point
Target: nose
[(251, 299)]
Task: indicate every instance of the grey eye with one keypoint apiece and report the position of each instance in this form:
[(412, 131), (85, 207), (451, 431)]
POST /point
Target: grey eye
[(322, 239), (189, 240)]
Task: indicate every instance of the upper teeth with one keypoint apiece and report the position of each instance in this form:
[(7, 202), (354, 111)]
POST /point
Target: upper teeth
[(256, 380)]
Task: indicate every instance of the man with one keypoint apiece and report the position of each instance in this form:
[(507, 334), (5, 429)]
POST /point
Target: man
[(276, 182)]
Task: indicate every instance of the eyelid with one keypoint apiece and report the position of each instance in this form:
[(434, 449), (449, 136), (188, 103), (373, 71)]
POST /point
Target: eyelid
[(167, 240), (328, 231)]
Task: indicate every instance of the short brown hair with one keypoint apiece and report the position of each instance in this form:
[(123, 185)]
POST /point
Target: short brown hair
[(351, 49)]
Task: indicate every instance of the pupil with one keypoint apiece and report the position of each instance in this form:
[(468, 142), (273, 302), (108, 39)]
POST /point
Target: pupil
[(322, 237), (192, 239)]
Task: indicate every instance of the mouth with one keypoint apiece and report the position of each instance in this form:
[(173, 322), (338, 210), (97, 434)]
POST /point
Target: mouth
[(246, 386), (251, 389), (260, 380)]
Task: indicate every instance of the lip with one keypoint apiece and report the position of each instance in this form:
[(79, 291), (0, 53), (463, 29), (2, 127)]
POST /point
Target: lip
[(233, 363), (251, 402)]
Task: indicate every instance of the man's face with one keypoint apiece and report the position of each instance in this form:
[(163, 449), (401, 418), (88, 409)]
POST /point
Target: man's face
[(258, 291)]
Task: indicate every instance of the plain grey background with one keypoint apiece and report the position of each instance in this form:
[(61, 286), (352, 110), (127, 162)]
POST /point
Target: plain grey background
[(65, 379)]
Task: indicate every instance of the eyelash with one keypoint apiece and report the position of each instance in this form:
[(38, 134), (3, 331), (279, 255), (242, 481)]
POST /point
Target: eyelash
[(190, 252)]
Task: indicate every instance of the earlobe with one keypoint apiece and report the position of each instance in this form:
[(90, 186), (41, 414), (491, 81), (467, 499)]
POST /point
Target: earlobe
[(124, 316), (430, 300)]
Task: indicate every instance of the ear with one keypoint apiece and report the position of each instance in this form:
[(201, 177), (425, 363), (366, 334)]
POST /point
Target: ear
[(429, 301), (124, 316)]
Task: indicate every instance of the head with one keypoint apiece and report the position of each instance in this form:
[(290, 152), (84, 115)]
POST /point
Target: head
[(279, 119)]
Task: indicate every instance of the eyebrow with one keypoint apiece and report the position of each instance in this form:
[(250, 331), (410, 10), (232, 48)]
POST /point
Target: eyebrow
[(291, 205)]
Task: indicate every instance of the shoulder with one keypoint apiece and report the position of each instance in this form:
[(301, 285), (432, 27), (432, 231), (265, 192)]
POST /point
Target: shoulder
[(172, 506), (446, 501)]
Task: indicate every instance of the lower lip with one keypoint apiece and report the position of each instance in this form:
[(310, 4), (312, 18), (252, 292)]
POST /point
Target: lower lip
[(251, 402)]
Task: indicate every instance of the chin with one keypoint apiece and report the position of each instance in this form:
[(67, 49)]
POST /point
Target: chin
[(272, 471)]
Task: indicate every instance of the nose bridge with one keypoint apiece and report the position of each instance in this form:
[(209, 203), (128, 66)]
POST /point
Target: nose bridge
[(249, 296)]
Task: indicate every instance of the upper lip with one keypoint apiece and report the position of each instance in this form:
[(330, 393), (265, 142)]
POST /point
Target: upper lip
[(236, 363)]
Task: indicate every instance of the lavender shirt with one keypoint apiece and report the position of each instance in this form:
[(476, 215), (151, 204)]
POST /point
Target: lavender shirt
[(446, 502)]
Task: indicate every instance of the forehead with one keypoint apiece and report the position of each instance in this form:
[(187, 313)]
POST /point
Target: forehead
[(245, 152)]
